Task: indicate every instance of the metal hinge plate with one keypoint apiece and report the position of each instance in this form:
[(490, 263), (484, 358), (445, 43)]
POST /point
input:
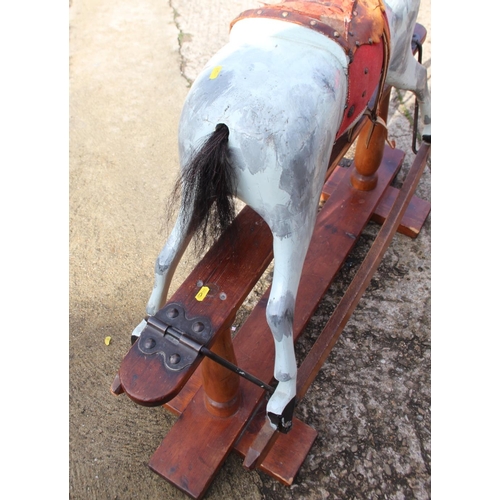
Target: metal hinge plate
[(177, 339)]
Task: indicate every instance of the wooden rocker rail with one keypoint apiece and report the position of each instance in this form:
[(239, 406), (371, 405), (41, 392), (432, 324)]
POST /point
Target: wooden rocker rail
[(220, 411)]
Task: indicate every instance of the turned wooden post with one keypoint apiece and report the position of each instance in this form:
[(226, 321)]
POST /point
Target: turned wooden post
[(222, 395), (367, 159)]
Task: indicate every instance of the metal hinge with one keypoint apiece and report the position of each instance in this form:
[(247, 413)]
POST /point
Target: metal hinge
[(176, 338), (180, 341)]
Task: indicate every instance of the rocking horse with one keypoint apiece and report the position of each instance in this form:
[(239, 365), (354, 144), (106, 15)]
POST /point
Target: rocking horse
[(260, 123)]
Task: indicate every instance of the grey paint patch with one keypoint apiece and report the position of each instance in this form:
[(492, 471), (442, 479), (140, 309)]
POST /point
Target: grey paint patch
[(279, 219), (256, 158), (398, 51), (208, 91), (280, 316), (399, 22), (323, 81), (282, 377), (296, 179), (162, 268)]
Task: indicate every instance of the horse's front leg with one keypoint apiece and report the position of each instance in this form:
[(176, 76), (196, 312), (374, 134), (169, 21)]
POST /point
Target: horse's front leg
[(289, 256), (166, 263), (411, 75)]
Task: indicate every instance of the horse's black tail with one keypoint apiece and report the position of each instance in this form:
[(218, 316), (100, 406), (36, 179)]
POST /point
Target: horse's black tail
[(207, 185)]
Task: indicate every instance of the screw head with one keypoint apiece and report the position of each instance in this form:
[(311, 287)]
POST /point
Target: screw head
[(149, 343), (174, 359), (198, 327), (173, 313)]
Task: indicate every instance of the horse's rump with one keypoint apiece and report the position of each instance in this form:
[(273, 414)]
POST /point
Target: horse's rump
[(360, 28)]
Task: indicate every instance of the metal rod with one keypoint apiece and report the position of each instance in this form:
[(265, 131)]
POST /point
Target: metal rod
[(196, 346), (415, 113), (230, 366)]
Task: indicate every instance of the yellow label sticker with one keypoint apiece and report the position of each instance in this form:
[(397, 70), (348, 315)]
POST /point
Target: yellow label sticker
[(215, 72), (202, 293)]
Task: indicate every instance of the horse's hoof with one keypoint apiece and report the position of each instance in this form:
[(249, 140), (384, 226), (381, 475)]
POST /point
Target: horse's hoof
[(426, 138), (283, 422), (138, 330)]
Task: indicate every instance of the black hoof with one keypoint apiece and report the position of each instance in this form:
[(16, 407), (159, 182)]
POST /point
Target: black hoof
[(426, 138), (133, 339), (283, 422)]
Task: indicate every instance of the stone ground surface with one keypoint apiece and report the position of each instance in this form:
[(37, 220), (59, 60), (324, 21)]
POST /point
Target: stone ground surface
[(131, 63)]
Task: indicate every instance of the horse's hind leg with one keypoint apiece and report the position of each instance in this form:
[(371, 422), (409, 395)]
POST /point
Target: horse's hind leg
[(413, 76), (289, 255), (166, 264)]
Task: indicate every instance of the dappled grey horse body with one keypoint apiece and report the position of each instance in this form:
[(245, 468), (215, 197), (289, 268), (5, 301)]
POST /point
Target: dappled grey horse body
[(271, 102)]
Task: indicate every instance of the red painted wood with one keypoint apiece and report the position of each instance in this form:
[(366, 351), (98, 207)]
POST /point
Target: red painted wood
[(288, 452), (414, 217)]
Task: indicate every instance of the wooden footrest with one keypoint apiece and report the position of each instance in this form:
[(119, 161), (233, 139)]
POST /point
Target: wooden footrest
[(413, 219), (294, 446)]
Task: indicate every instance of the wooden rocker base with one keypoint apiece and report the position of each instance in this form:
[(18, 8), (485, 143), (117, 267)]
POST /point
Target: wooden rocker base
[(200, 441)]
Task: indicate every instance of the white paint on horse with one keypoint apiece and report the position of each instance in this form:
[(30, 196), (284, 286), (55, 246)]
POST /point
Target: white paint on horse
[(281, 90), (405, 73)]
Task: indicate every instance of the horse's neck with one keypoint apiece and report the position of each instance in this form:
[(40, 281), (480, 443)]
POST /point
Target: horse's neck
[(261, 32)]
